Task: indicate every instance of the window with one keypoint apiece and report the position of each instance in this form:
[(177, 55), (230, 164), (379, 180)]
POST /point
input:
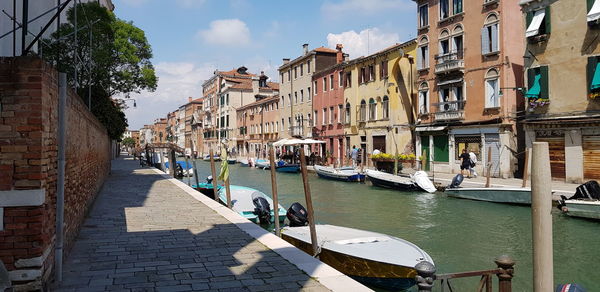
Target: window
[(315, 122), (444, 42), (372, 110), (308, 93), (423, 54), (295, 97), (295, 72), (471, 143), (277, 126), (593, 77), (331, 82), (492, 89), (281, 78), (324, 84), (289, 73), (385, 107), (315, 87), (309, 120), (444, 9), (458, 6), (289, 99), (383, 70), (324, 121), (538, 22), (308, 66), (371, 72), (331, 116), (340, 111), (301, 95), (340, 79), (537, 81), (362, 114), (423, 98), (363, 75), (489, 35), (347, 116), (301, 69), (423, 15), (282, 124), (348, 80)]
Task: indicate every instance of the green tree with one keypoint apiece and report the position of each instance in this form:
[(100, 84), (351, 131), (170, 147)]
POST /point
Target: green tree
[(128, 142), (119, 55)]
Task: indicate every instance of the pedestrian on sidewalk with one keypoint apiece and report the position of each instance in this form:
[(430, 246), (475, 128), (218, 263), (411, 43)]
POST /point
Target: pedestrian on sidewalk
[(473, 159), (354, 155), (465, 165)]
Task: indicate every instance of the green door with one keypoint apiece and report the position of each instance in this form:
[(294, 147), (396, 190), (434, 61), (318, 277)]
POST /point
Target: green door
[(425, 150), (440, 148)]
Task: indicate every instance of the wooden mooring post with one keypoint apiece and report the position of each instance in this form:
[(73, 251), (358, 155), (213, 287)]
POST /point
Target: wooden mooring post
[(426, 276), (309, 206), (541, 218), (187, 171), (274, 191), (196, 173), (173, 162), (214, 175), (526, 169), (489, 167)]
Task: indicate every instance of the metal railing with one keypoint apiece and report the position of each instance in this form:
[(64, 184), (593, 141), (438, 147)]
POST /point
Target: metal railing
[(450, 110), (426, 277), (449, 62)]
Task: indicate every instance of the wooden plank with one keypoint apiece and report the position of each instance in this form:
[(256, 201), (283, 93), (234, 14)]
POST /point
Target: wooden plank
[(591, 157)]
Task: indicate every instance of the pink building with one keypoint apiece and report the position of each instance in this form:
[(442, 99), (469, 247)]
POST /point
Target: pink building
[(328, 108)]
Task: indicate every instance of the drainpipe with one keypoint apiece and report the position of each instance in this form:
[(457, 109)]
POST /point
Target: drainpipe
[(60, 194)]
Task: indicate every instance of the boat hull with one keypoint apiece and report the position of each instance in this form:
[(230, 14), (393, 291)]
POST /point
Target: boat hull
[(206, 189), (497, 195), (331, 174), (382, 275), (583, 209), (231, 161), (407, 187), (289, 168)]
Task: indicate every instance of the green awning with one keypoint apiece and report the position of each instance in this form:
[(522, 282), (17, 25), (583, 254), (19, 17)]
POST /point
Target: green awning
[(536, 89), (596, 80)]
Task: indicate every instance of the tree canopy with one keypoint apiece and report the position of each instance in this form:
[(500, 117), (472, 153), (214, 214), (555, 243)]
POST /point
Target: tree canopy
[(112, 58)]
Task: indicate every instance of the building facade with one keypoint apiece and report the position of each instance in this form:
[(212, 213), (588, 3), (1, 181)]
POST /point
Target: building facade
[(328, 110), (258, 125), (563, 84), (378, 92), (469, 64), (296, 90)]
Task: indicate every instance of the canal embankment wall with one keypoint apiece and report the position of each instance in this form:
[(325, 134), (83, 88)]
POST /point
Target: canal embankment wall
[(29, 167)]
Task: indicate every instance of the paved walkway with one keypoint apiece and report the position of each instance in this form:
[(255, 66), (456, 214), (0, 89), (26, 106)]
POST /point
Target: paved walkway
[(146, 234)]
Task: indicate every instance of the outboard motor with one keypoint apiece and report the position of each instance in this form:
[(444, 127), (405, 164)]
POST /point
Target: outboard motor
[(456, 181), (209, 179), (569, 288), (262, 209), (297, 215), (178, 171)]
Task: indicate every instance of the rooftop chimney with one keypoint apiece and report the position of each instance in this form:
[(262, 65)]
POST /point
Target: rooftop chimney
[(286, 60), (346, 57), (190, 99), (305, 49), (339, 57)]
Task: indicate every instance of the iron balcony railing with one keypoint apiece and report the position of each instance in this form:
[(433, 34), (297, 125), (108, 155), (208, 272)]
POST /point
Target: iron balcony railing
[(449, 62), (450, 110)]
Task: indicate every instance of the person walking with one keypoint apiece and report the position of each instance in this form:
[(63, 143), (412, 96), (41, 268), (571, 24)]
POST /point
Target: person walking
[(466, 162), (354, 156), (473, 159)]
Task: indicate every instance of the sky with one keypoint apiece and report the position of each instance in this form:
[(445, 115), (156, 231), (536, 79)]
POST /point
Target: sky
[(191, 39)]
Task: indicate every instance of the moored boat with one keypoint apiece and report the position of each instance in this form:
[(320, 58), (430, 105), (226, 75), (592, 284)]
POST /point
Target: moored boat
[(341, 174), (231, 160), (244, 162), (263, 164), (289, 168), (585, 203), (252, 204), (506, 195), (215, 158), (369, 257), (390, 181)]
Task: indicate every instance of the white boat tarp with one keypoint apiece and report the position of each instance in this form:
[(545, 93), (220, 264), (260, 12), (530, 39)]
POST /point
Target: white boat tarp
[(294, 142), (424, 182)]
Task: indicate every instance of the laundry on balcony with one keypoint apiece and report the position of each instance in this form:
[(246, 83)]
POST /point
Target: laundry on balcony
[(535, 90), (451, 81)]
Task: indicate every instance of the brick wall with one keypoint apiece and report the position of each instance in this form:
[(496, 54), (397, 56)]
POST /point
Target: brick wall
[(28, 167)]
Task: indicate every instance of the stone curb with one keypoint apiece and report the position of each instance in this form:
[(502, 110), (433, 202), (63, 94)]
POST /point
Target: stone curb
[(323, 273)]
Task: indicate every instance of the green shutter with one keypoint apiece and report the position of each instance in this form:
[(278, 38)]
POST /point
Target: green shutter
[(425, 149), (591, 68), (544, 94), (530, 78), (547, 20), (440, 148), (528, 18)]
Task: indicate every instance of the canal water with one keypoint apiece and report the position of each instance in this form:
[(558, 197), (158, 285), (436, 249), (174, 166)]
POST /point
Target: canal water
[(460, 235)]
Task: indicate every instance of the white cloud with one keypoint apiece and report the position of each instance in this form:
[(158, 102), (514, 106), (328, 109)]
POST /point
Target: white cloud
[(366, 42), (177, 82), (227, 32), (364, 7)]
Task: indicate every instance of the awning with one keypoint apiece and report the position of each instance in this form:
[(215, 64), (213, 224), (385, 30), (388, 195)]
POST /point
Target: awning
[(596, 80), (430, 129), (446, 82), (536, 22), (594, 13), (535, 89)]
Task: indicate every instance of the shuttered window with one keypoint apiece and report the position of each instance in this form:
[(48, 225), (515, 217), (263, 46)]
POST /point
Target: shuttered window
[(538, 22), (542, 72)]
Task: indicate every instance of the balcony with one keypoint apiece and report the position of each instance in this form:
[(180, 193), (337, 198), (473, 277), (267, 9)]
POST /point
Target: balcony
[(450, 111), (296, 131), (449, 62)]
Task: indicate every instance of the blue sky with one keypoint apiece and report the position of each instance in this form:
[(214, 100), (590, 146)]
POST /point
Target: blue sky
[(192, 38)]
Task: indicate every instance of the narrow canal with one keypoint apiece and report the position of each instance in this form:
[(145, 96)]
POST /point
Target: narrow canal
[(460, 235)]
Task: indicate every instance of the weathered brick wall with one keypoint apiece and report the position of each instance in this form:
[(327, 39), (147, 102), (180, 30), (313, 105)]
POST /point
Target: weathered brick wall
[(29, 161)]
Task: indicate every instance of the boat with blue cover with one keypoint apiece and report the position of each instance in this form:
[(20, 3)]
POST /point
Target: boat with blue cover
[(286, 167), (349, 174), (252, 204)]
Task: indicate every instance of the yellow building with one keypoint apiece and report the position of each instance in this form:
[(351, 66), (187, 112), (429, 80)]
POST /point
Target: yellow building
[(379, 90)]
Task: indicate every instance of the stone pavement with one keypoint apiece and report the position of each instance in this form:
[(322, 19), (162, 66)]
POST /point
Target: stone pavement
[(146, 234)]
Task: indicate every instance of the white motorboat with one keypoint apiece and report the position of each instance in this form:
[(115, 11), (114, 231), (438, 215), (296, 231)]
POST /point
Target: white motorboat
[(342, 174)]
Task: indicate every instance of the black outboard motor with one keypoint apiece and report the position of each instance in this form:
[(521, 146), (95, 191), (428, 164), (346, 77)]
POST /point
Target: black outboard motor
[(178, 171), (456, 181), (262, 209), (297, 215), (209, 179)]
